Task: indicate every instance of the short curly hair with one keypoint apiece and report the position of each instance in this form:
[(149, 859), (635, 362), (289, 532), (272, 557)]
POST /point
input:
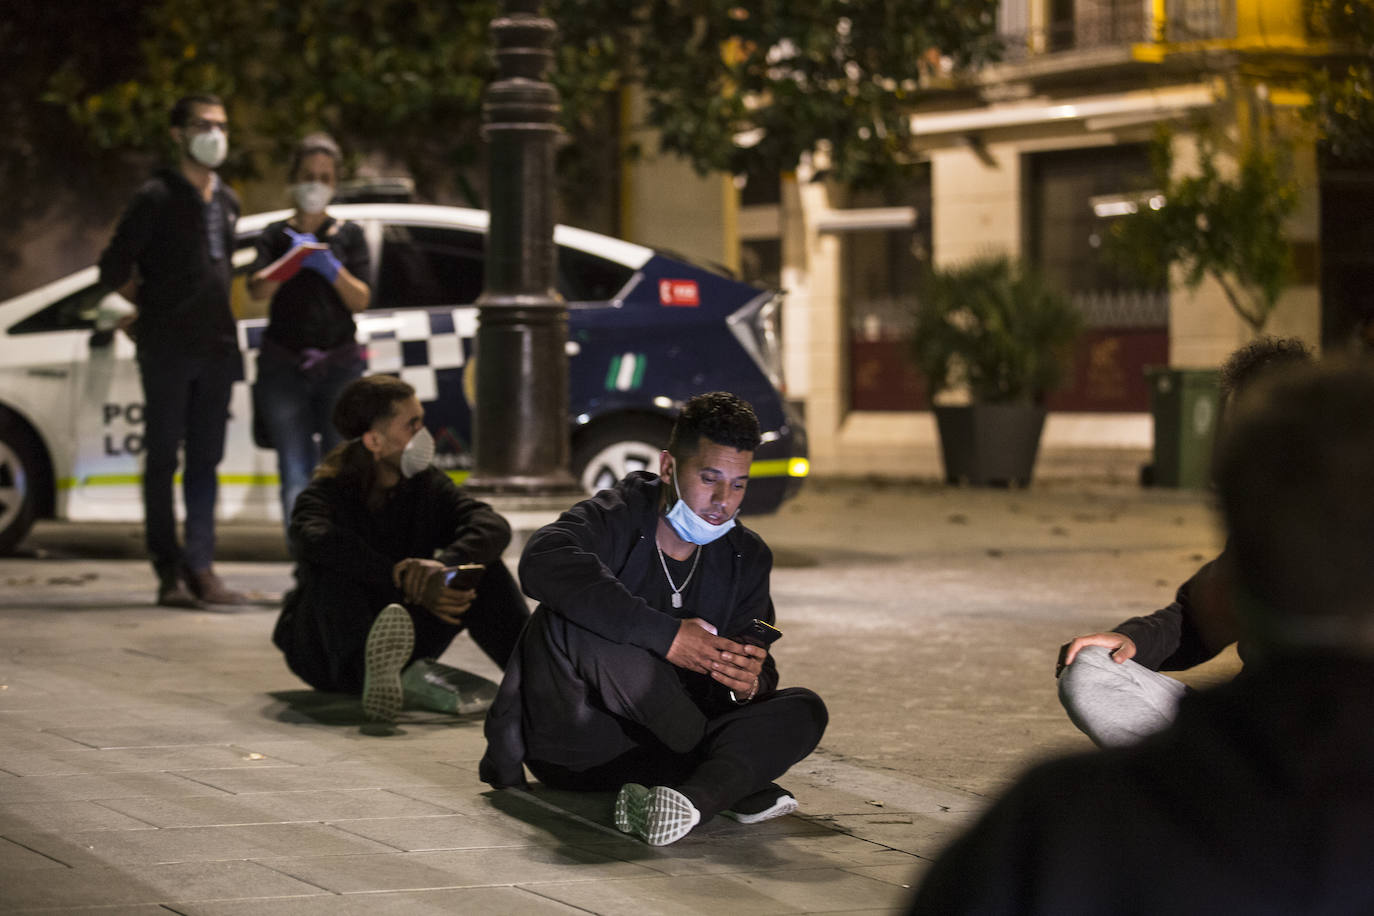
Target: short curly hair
[(719, 416), (1257, 358)]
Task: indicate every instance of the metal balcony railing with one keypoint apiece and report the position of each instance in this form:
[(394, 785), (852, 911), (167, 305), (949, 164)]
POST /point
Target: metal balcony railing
[(1085, 25)]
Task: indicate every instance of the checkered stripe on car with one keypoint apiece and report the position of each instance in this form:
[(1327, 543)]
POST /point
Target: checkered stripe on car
[(415, 344)]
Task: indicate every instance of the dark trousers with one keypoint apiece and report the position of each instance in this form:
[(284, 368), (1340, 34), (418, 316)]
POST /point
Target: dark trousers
[(325, 620), (663, 737), (296, 407), (185, 404)]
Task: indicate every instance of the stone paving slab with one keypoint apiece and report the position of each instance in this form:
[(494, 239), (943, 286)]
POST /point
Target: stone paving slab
[(172, 884), (469, 901)]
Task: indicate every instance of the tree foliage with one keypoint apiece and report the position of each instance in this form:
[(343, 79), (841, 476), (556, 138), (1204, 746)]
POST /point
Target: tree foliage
[(1211, 224), (1343, 93), (995, 326), (731, 86)]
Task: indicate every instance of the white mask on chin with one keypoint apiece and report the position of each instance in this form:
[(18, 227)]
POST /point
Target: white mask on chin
[(691, 527)]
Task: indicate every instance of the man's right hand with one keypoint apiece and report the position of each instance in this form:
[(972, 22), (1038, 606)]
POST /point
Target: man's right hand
[(695, 647), (1120, 646)]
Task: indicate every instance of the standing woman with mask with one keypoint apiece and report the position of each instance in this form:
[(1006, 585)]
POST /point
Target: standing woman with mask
[(309, 352)]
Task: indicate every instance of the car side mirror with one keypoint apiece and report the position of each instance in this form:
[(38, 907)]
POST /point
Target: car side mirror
[(101, 339)]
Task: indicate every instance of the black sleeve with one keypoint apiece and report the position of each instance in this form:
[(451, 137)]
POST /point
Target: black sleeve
[(131, 236), (318, 537), (479, 533), (567, 566), (271, 244), (1169, 639)]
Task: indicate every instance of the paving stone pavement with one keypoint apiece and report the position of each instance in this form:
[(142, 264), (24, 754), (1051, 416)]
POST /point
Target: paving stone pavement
[(156, 761)]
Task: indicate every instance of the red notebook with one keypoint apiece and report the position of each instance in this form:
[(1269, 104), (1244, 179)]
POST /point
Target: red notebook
[(285, 267)]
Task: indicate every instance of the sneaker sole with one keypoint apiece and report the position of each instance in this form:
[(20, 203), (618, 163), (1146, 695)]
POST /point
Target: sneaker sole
[(658, 816), (389, 645), (785, 805)]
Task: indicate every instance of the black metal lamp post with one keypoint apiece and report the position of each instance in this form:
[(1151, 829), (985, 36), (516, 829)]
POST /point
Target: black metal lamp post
[(520, 424)]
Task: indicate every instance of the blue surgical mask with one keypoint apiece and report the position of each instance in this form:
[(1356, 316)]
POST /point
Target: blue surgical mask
[(692, 527)]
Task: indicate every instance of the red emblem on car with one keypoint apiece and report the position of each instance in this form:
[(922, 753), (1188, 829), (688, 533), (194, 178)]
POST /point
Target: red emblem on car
[(678, 292)]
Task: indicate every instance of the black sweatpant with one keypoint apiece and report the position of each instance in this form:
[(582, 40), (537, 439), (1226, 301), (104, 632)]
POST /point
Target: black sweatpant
[(325, 620), (599, 714)]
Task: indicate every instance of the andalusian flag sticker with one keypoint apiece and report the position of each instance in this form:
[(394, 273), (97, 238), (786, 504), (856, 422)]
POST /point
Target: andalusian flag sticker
[(626, 372)]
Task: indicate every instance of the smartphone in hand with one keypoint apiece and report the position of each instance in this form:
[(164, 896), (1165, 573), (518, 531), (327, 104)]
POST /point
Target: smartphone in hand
[(758, 633), (463, 577)]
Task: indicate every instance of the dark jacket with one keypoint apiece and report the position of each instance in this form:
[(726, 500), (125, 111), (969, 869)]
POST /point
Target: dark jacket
[(1259, 799), (183, 293), (427, 515), (1193, 629), (589, 567)]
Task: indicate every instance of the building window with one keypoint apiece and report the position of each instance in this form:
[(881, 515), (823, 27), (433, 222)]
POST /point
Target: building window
[(884, 246), (1069, 211)]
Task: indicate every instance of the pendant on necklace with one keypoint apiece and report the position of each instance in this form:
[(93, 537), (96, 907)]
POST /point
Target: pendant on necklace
[(677, 600)]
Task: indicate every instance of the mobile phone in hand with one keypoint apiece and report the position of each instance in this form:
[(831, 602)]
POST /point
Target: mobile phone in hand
[(463, 577), (758, 633)]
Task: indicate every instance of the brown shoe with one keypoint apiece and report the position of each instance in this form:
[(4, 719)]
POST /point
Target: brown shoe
[(211, 589), (173, 593)]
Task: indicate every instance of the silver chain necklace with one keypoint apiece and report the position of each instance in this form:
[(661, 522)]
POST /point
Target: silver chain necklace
[(677, 589)]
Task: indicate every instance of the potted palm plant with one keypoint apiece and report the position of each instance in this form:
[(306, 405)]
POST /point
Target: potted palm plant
[(993, 329)]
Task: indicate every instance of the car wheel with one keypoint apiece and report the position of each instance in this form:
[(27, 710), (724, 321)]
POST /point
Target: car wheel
[(20, 466), (607, 453)]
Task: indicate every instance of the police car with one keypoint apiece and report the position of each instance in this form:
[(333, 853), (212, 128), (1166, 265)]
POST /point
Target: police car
[(646, 332)]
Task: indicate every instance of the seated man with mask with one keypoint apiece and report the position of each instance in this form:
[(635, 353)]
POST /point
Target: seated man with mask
[(373, 535), (632, 673)]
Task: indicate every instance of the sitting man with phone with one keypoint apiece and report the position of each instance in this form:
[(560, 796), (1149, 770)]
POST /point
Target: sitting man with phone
[(393, 560), (645, 667)]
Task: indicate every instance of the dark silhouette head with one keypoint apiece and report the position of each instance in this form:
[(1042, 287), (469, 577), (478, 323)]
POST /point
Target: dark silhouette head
[(1295, 476)]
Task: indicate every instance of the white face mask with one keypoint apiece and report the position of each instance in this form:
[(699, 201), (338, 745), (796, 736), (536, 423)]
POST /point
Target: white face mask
[(209, 147), (311, 196), (418, 453)]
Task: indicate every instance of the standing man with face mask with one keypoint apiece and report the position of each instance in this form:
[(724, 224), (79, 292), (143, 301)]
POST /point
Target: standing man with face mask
[(171, 255), (633, 674), (373, 535), (309, 352)]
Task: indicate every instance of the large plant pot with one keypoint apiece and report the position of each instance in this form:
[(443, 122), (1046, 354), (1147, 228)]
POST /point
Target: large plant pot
[(990, 444)]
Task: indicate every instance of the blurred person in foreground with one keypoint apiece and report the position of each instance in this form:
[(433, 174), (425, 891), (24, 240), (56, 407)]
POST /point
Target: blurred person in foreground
[(373, 535), (1258, 799), (308, 351), (170, 256), (1109, 683), (633, 674)]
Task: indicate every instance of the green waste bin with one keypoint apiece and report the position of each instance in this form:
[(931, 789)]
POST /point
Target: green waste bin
[(1185, 404)]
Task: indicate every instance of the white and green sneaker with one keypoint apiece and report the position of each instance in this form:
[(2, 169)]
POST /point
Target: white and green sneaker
[(657, 815), (431, 685), (389, 644)]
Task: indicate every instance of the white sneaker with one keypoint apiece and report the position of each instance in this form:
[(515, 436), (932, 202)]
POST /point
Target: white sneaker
[(441, 688), (389, 644), (657, 815), (763, 805)]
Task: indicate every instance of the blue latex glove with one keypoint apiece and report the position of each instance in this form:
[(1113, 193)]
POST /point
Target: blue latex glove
[(323, 263), (298, 238)]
